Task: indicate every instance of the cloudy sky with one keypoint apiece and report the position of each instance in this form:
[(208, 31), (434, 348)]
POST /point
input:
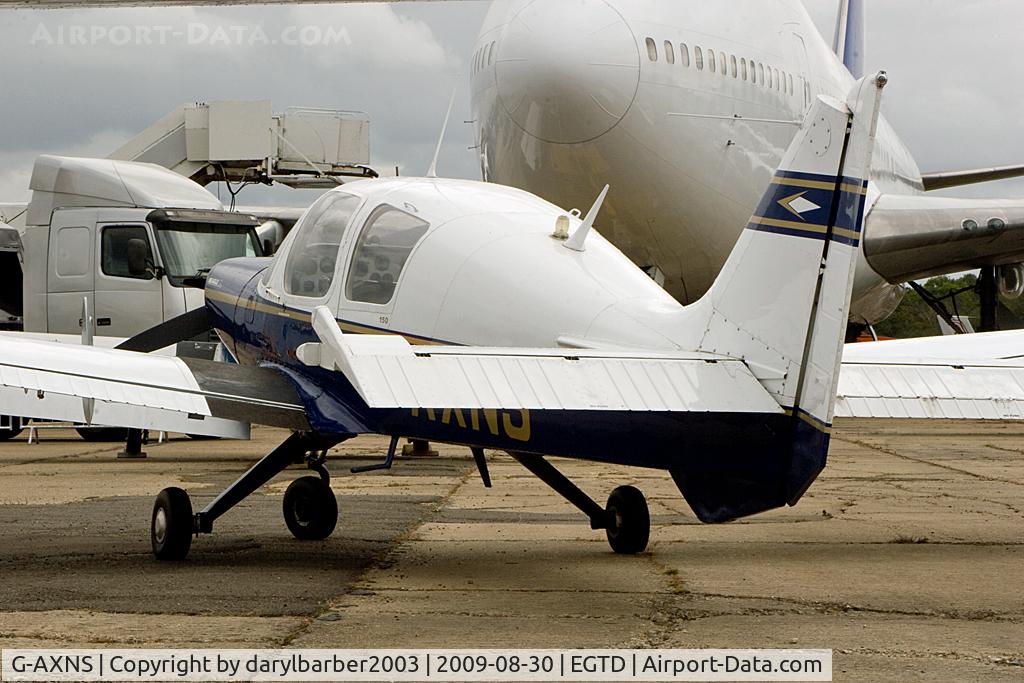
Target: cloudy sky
[(956, 94)]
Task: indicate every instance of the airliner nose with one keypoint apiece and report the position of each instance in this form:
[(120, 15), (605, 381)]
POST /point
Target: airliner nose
[(567, 71)]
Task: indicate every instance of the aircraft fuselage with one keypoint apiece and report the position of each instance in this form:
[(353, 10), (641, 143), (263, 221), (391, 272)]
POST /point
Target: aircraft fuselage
[(685, 108)]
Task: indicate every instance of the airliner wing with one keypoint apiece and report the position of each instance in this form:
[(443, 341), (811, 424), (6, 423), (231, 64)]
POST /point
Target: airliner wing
[(942, 181), (90, 385), (909, 237)]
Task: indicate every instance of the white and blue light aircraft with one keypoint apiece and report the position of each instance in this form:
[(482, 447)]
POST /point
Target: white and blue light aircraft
[(480, 315)]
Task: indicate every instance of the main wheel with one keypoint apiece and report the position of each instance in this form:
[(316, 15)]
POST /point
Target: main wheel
[(172, 526), (16, 428), (102, 434), (310, 509), (629, 521)]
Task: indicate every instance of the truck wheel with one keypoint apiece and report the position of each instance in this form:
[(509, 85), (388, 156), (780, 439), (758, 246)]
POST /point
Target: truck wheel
[(16, 428), (102, 434)]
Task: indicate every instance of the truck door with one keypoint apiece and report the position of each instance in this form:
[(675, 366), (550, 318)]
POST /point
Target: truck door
[(129, 297), (69, 269)]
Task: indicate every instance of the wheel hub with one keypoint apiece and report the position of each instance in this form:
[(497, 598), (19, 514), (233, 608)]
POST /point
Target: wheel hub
[(302, 513), (160, 525)]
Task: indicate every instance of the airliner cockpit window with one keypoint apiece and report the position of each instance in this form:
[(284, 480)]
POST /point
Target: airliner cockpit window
[(381, 254), (313, 258)]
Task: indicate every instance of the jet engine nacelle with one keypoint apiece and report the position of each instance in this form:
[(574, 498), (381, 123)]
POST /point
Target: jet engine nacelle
[(1011, 281)]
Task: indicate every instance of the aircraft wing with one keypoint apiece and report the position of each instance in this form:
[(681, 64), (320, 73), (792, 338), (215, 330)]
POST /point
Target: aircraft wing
[(910, 237), (90, 385), (78, 4), (942, 181)]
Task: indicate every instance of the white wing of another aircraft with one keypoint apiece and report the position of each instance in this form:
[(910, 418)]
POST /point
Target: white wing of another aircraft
[(79, 4), (88, 385)]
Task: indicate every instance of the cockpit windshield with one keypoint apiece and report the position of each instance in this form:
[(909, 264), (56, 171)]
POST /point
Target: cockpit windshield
[(191, 249)]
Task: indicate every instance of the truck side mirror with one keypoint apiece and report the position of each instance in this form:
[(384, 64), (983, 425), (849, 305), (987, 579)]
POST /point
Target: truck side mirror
[(138, 259)]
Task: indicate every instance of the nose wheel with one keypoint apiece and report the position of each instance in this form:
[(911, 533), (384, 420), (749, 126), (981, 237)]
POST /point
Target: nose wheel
[(172, 525), (310, 509)]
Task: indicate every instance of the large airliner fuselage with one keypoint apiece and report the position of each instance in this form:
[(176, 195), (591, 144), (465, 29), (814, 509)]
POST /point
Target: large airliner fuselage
[(684, 107)]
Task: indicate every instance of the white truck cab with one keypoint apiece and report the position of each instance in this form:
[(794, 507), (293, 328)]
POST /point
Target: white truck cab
[(134, 238)]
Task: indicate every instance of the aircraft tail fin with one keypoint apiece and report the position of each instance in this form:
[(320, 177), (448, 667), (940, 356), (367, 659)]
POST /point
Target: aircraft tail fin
[(782, 301), (849, 42)]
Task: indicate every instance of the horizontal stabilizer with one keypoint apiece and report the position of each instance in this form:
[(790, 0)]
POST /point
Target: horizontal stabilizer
[(388, 372), (932, 390), (963, 377)]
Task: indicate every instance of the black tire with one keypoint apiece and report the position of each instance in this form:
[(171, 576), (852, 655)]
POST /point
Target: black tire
[(310, 509), (172, 525), (103, 434), (15, 430), (629, 521)]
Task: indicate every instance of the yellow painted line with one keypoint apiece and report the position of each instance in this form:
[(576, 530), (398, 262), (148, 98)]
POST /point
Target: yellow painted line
[(218, 295), (775, 223), (813, 421), (807, 227), (819, 185), (306, 317)]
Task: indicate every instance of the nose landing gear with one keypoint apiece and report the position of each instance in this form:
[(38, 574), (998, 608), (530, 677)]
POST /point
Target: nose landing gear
[(310, 508)]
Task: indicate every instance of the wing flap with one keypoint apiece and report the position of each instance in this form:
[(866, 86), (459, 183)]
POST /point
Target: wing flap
[(89, 385)]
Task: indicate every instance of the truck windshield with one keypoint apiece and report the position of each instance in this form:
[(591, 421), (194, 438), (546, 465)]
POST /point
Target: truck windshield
[(192, 249)]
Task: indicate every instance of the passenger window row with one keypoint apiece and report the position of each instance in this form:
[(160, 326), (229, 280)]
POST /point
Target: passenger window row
[(484, 57), (751, 70)]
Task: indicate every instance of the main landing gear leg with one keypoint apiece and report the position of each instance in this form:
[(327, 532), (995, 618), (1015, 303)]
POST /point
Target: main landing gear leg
[(311, 510), (626, 519)]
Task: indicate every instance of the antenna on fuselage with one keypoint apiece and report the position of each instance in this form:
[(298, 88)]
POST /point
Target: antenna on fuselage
[(579, 238), (432, 172)]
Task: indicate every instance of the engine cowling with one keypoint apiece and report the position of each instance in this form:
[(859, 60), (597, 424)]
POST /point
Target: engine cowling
[(1010, 280)]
